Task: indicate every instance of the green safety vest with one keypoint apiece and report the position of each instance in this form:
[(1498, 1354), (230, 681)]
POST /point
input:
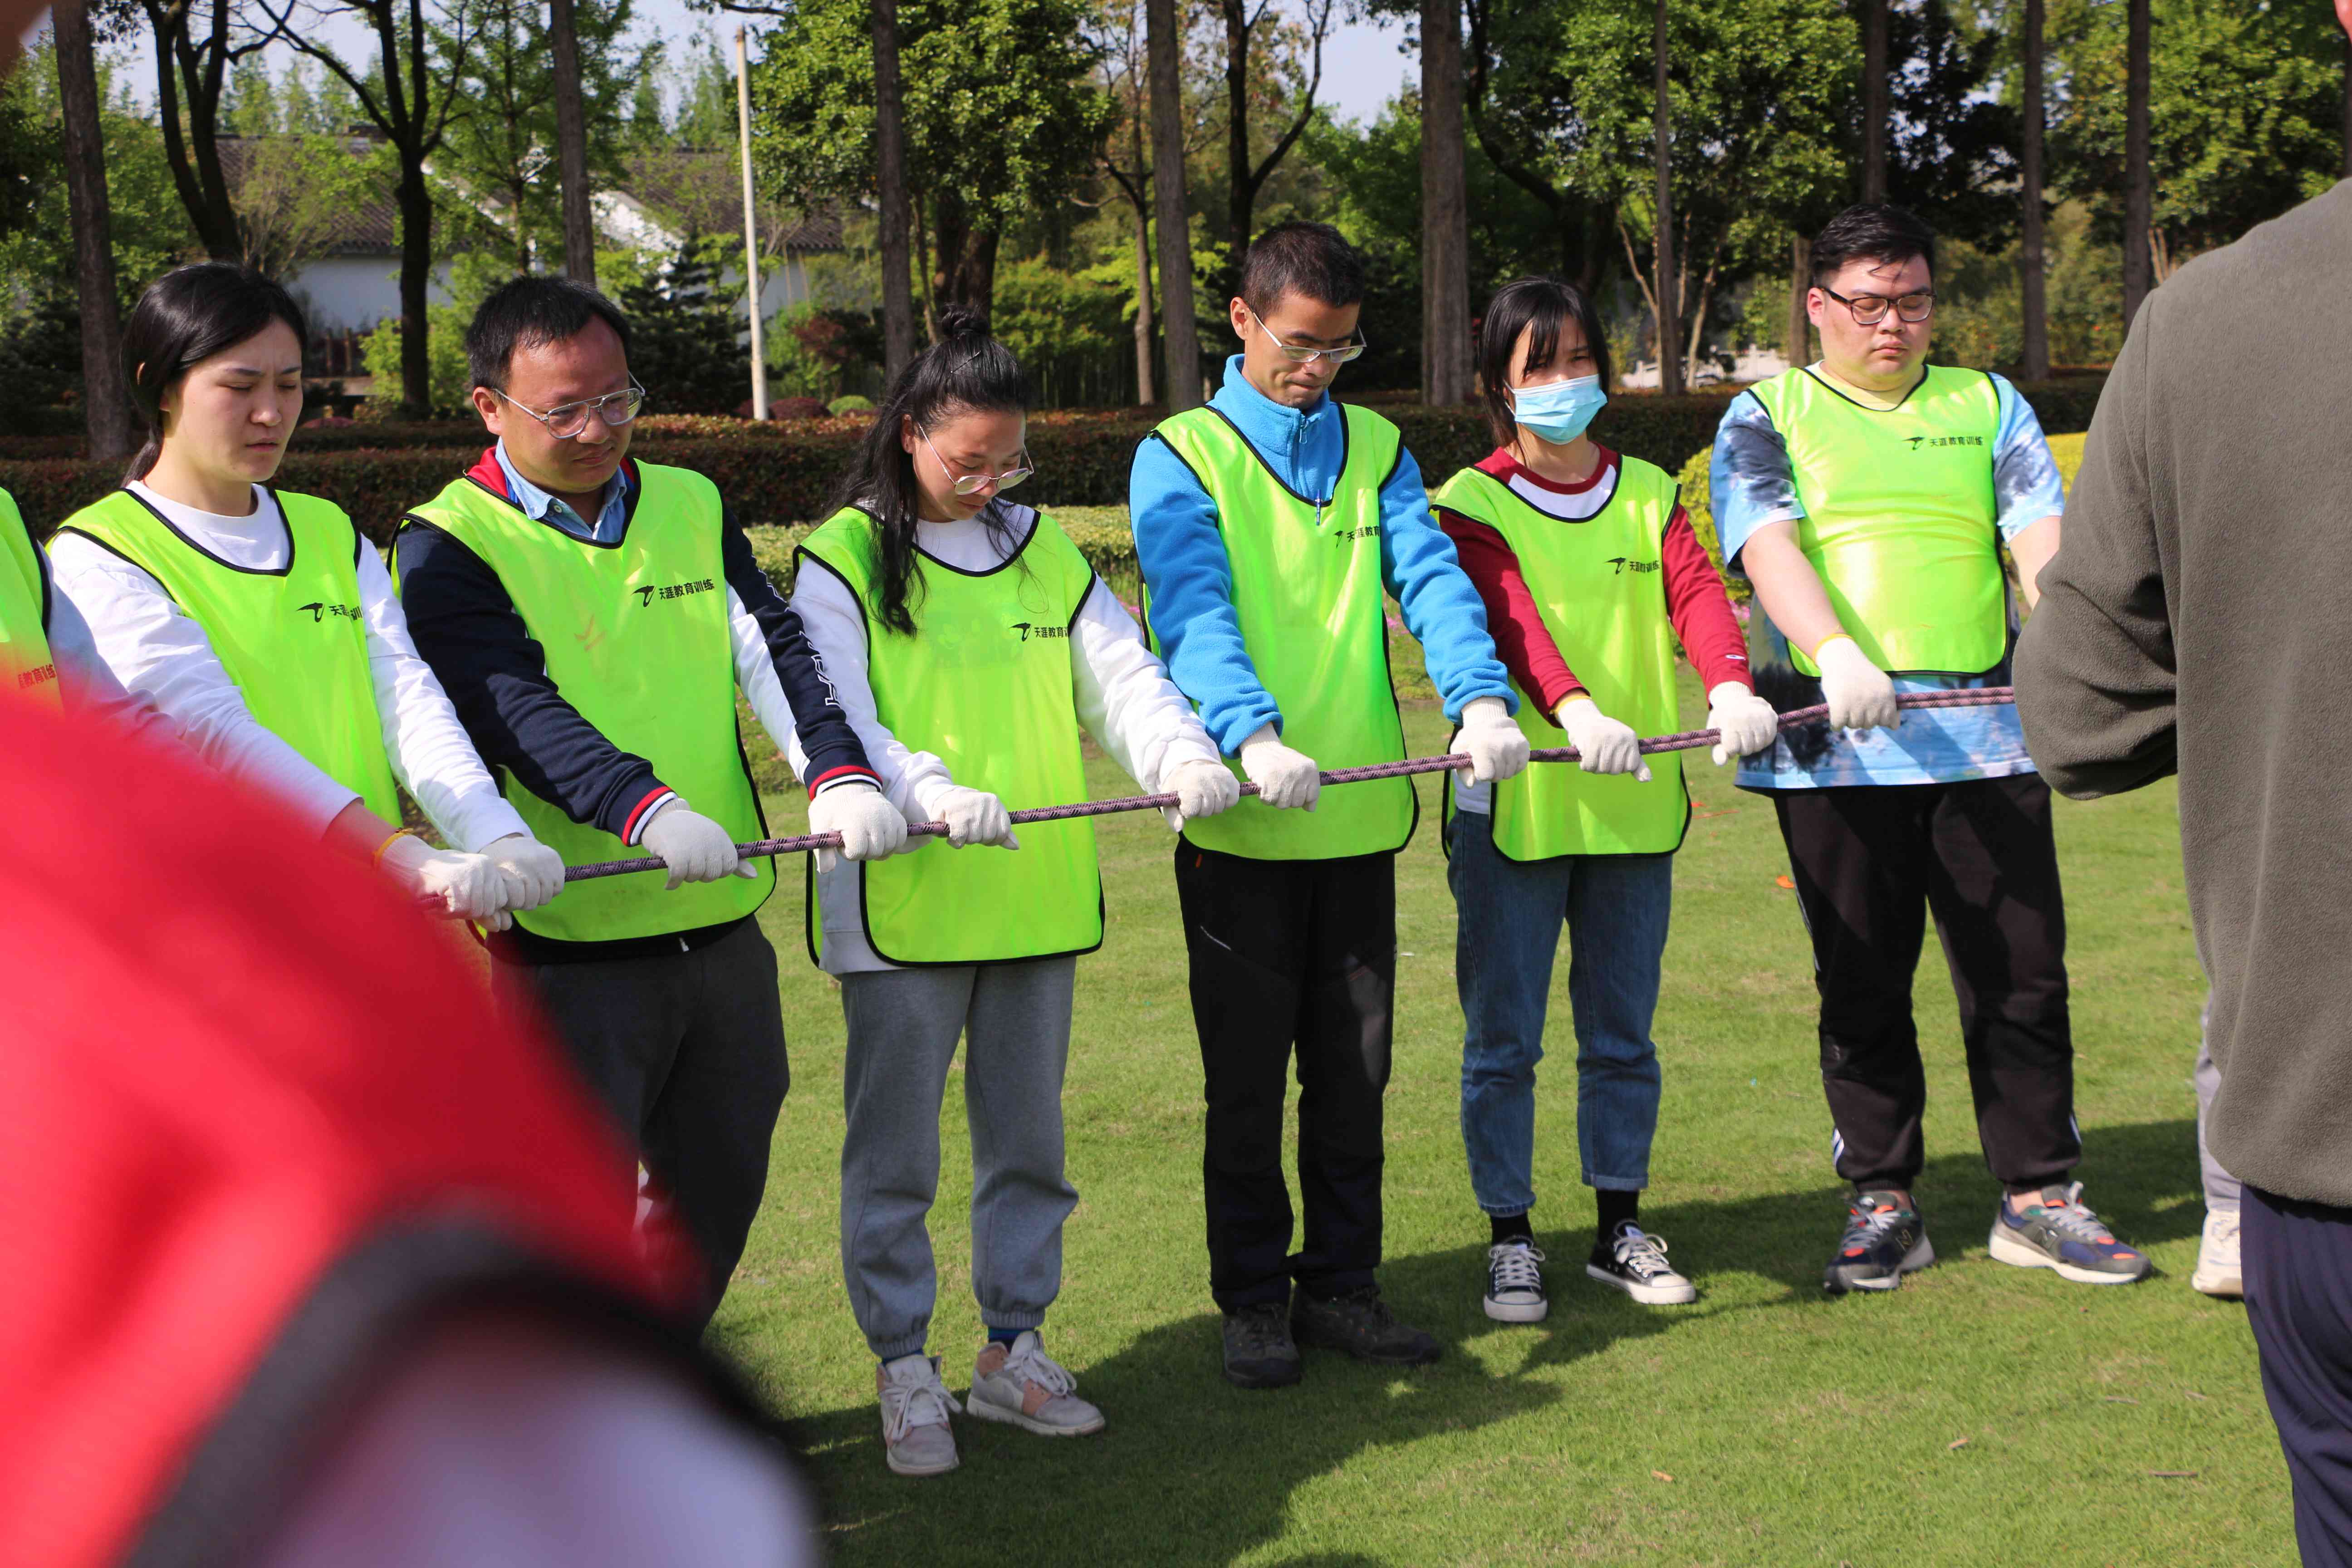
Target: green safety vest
[(1900, 519), (293, 639), (1601, 586), (637, 639), (1308, 594), (984, 684), (25, 662)]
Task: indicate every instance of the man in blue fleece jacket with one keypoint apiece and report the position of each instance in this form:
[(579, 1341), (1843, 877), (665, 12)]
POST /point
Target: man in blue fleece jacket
[(1269, 526)]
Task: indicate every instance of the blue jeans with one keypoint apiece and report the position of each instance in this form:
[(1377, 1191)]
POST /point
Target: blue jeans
[(1616, 909)]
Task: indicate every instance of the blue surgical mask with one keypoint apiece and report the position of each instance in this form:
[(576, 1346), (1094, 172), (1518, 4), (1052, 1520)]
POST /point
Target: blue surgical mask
[(1558, 411)]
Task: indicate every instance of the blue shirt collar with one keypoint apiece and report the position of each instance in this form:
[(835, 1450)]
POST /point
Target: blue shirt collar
[(1261, 419), (539, 506)]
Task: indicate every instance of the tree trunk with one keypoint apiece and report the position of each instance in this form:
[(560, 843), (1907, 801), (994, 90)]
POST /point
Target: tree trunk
[(2032, 305), (416, 205), (191, 144), (1445, 211), (2139, 204), (1874, 110), (2347, 105), (1144, 394), (1241, 193), (105, 397), (1179, 328), (571, 146), (1800, 349), (1669, 306), (891, 150)]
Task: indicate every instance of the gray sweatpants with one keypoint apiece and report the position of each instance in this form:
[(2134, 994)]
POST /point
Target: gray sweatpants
[(2221, 1190), (1014, 1019)]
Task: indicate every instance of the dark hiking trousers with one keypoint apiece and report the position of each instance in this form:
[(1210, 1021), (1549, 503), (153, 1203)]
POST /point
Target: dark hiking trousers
[(1291, 957), (1870, 863)]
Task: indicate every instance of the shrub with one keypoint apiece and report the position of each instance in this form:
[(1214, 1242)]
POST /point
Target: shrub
[(682, 332), (1698, 505), (851, 403)]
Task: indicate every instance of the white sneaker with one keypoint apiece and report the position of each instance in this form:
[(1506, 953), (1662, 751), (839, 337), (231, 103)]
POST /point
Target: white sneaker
[(1515, 1290), (1027, 1388), (2217, 1256), (915, 1406), (1636, 1264)]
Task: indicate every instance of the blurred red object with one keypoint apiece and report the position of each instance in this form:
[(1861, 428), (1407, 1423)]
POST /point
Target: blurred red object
[(259, 1117)]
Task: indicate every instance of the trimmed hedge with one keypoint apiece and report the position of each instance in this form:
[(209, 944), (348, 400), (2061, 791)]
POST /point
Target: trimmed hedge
[(777, 475)]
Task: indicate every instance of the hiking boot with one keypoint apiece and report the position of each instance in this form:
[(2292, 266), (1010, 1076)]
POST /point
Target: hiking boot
[(1020, 1384), (915, 1406), (1885, 1239), (1515, 1292), (2058, 1232), (2217, 1257), (1259, 1352), (1636, 1262), (1360, 1322)]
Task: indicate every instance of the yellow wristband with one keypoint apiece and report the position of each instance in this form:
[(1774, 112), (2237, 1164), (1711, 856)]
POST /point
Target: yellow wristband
[(1816, 655), (377, 859)]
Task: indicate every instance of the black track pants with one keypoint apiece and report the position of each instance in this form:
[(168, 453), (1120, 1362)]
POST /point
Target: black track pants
[(1291, 954)]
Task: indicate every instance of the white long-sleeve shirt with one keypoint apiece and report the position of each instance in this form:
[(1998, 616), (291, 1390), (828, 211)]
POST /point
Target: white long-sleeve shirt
[(160, 652), (1125, 700)]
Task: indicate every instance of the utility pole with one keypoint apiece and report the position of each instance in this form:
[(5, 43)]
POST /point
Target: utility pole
[(1179, 330), (890, 159), (1670, 308), (2033, 303), (750, 228), (1801, 288), (1445, 211), (571, 146), (1874, 110), (2139, 197), (106, 399)]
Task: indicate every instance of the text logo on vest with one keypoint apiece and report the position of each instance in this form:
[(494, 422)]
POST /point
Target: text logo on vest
[(1029, 630), (652, 590), (1918, 441), (1622, 561), (319, 612)]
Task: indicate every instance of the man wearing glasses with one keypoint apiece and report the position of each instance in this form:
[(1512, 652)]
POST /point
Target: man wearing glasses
[(1865, 499), (592, 619), (1269, 524)]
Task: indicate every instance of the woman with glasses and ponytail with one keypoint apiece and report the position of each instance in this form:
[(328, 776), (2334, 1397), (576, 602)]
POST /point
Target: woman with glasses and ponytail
[(972, 645), (260, 623), (1590, 575)]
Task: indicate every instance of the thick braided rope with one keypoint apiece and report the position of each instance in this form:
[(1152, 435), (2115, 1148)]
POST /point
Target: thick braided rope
[(1688, 740)]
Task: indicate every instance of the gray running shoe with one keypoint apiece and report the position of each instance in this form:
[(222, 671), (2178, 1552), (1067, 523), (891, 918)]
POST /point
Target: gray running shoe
[(1259, 1350), (1022, 1386), (915, 1406), (2059, 1232), (1885, 1239)]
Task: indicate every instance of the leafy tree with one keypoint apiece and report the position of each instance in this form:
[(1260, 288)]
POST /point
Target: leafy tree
[(683, 345), (1002, 121), (297, 173)]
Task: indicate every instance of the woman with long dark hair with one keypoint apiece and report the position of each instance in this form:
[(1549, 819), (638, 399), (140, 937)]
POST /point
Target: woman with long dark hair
[(260, 622), (1591, 574), (970, 644)]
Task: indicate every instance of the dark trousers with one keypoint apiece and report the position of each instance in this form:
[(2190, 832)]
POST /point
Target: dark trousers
[(686, 1051), (1870, 862), (2299, 1271), (1291, 953)]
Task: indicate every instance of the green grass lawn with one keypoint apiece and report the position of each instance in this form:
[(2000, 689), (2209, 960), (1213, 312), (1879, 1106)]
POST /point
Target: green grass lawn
[(1982, 1415)]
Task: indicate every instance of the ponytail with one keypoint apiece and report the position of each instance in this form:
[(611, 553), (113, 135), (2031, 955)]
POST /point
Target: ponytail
[(966, 371)]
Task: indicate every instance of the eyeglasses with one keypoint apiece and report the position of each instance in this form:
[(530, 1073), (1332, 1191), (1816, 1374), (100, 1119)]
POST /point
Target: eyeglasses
[(566, 420), (972, 484), (1298, 355), (1869, 309)]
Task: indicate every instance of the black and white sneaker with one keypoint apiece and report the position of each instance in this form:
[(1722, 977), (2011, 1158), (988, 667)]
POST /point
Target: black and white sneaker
[(1634, 1261), (1515, 1292)]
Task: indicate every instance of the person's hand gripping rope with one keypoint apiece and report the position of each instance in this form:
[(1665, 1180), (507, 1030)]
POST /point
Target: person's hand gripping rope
[(1285, 778), (1492, 740)]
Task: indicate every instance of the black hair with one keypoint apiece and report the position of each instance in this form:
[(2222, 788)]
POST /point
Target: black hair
[(966, 371), (1309, 258), (185, 317), (1871, 231), (1538, 307), (529, 312)]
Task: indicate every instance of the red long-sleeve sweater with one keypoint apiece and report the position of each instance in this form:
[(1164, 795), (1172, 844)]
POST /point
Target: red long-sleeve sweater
[(1696, 602)]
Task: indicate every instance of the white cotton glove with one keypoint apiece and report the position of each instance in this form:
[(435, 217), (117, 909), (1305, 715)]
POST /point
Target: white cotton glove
[(1859, 695), (533, 872), (469, 886), (1201, 788), (869, 825), (1603, 745), (1744, 723), (1285, 778), (1493, 740), (694, 847), (976, 816)]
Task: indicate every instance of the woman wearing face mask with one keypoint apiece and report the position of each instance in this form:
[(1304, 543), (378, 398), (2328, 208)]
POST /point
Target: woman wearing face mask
[(1590, 573), (262, 624), (970, 644)]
